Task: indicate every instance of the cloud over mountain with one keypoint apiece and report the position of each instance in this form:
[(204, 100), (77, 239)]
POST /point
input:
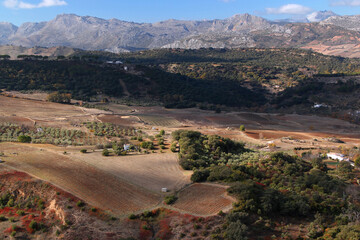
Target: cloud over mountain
[(16, 4), (289, 9)]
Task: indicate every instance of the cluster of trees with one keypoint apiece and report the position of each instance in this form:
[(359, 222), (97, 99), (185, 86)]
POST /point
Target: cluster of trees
[(268, 185), (59, 97), (14, 133), (32, 57), (110, 130), (198, 150), (5, 57)]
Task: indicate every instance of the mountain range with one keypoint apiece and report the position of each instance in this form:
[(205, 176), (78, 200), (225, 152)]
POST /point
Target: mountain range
[(323, 32)]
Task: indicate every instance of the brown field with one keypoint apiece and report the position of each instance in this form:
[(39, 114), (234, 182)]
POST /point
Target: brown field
[(95, 186), (150, 171), (204, 199), (46, 113)]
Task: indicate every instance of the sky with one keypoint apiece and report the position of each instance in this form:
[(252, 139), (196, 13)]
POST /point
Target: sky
[(20, 11)]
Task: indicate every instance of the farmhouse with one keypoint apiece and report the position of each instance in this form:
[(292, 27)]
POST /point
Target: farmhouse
[(127, 147), (336, 156)]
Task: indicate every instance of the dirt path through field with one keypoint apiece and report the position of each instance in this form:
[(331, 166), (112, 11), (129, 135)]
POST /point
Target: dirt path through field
[(89, 183)]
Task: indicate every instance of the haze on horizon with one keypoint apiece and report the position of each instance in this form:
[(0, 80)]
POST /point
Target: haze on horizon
[(20, 11)]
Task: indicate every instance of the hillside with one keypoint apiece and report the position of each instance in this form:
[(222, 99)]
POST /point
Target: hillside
[(258, 79)]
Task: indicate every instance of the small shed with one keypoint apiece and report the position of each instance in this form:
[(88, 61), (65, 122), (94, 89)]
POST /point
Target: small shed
[(127, 147), (164, 190)]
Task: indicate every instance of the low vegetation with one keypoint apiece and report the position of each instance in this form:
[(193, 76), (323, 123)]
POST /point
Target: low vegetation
[(268, 186)]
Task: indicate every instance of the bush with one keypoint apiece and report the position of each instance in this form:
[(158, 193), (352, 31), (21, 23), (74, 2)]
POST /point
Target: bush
[(34, 225), (105, 152), (59, 97), (20, 213), (200, 175), (242, 128), (83, 150), (170, 199), (173, 147), (162, 132), (80, 204), (147, 145), (24, 139), (236, 230)]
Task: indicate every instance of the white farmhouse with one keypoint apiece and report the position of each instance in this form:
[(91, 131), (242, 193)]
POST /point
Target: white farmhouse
[(336, 156)]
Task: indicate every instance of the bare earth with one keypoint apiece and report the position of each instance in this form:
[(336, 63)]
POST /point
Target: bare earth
[(150, 171), (84, 181), (204, 199)]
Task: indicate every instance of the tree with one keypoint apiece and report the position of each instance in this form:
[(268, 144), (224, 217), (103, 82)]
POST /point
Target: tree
[(147, 145), (24, 139), (162, 132), (59, 97), (357, 161), (242, 128), (105, 152), (83, 150), (345, 169), (173, 147), (236, 231)]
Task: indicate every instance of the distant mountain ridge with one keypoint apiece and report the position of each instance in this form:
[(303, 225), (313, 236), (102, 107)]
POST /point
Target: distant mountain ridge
[(242, 30)]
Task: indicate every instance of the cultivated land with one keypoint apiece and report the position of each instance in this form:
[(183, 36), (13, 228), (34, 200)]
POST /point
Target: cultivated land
[(132, 183), (200, 199)]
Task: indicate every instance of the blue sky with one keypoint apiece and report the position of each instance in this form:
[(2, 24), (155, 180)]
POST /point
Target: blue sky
[(20, 11)]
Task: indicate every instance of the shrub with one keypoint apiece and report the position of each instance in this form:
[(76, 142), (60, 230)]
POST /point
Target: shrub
[(162, 132), (34, 225), (20, 213), (200, 175), (105, 152), (2, 218), (80, 204), (173, 147), (24, 139), (83, 150), (132, 216), (170, 199), (59, 97), (147, 145), (93, 209), (242, 128)]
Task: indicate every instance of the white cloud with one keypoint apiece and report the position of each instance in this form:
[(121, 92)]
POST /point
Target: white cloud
[(24, 5), (352, 3), (289, 9)]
